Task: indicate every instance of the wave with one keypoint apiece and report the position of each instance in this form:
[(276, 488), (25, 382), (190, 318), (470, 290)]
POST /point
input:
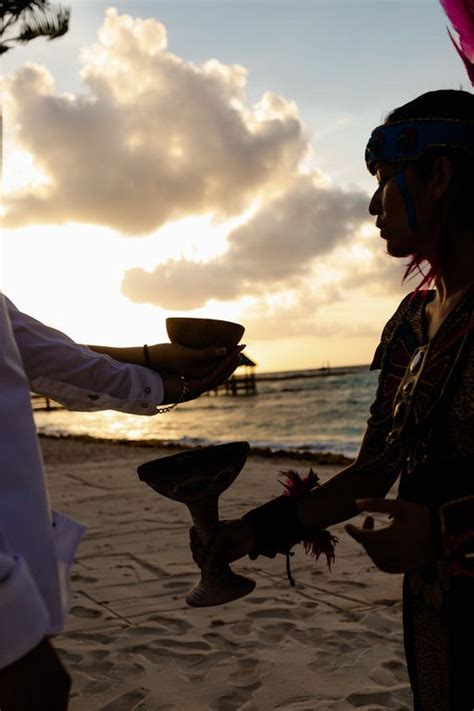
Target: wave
[(316, 452)]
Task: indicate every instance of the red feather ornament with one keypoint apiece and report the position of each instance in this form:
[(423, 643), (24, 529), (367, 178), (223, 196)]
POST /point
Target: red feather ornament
[(461, 15), (321, 542)]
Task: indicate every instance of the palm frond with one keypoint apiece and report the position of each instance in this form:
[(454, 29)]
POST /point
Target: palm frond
[(49, 25), (17, 7)]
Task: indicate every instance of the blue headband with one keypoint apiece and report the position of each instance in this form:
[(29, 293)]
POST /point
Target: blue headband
[(407, 140)]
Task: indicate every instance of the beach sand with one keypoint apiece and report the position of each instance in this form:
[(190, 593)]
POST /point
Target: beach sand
[(333, 642)]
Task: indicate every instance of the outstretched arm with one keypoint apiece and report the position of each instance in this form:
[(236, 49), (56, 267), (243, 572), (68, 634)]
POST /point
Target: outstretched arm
[(335, 501), (81, 378), (276, 526)]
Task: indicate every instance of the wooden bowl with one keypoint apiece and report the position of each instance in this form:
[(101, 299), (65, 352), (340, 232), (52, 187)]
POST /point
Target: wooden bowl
[(204, 332)]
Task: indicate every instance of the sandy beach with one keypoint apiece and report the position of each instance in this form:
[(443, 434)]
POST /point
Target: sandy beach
[(333, 642)]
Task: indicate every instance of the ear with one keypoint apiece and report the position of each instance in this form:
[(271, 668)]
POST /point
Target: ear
[(441, 176)]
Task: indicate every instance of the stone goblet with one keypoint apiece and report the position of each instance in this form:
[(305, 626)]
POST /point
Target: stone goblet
[(196, 478)]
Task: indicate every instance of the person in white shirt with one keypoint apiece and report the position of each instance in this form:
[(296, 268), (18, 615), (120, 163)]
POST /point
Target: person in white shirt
[(37, 546)]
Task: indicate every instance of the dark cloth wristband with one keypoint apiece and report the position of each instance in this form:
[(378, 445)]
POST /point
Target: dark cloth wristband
[(276, 527)]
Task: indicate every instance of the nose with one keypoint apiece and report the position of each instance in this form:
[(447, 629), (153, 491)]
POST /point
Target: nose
[(374, 204)]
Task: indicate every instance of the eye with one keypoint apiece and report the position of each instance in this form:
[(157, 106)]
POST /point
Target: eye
[(383, 181)]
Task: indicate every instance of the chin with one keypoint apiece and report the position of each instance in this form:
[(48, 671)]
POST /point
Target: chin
[(398, 250)]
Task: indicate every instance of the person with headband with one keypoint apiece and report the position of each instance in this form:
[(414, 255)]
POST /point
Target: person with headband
[(421, 424)]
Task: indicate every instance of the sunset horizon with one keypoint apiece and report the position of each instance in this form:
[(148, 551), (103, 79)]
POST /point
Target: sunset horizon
[(145, 179)]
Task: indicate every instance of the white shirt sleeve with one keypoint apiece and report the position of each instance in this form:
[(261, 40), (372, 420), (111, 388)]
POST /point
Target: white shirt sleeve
[(77, 377)]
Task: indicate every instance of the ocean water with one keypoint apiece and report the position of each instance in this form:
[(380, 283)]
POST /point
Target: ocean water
[(303, 411)]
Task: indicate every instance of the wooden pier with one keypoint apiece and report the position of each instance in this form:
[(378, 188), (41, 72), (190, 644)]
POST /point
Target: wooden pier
[(39, 403), (241, 384)]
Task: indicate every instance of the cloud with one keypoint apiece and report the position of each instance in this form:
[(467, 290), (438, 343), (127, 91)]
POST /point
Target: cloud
[(152, 139), (275, 248)]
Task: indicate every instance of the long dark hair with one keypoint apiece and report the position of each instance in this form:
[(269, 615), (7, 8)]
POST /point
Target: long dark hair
[(442, 104)]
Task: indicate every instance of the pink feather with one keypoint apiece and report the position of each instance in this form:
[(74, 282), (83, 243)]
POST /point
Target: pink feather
[(321, 542), (461, 15)]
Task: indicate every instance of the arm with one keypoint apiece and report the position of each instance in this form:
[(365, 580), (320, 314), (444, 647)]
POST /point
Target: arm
[(334, 501), (279, 523), (77, 377), (169, 358), (84, 379)]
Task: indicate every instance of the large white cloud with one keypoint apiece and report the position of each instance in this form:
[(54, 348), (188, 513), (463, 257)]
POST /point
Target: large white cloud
[(277, 246), (153, 138)]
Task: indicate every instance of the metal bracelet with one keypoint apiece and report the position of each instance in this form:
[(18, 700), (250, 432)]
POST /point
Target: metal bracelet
[(184, 392)]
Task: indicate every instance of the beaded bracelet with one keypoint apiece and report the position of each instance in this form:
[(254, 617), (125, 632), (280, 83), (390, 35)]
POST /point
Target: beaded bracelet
[(184, 392)]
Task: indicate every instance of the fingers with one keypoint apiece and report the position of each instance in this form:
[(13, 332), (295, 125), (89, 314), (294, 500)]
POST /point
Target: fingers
[(212, 353), (358, 534), (366, 535), (368, 524)]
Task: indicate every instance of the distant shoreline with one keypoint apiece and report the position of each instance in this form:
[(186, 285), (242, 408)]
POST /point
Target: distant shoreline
[(310, 372), (316, 457)]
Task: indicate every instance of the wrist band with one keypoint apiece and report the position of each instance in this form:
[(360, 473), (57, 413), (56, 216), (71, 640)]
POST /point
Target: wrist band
[(276, 527), (184, 382), (184, 392), (146, 356)]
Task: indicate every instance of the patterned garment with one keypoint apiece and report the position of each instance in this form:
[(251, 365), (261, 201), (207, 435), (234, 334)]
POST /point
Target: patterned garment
[(432, 448)]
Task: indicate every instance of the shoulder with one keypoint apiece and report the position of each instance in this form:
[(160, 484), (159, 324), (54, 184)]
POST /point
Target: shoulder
[(408, 310)]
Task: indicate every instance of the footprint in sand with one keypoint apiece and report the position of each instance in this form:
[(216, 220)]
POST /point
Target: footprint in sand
[(297, 701), (128, 701), (236, 698), (67, 657), (92, 636), (378, 699), (171, 623), (275, 613), (159, 655), (85, 612), (397, 668), (242, 628), (276, 632), (193, 645), (78, 578), (246, 669), (177, 584)]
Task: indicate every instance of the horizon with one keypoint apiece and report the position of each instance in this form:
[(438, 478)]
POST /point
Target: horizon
[(213, 168)]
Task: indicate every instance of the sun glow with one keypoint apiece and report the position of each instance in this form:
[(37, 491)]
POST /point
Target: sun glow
[(20, 172)]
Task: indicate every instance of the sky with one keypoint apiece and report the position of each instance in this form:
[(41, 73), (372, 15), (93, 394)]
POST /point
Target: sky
[(205, 158)]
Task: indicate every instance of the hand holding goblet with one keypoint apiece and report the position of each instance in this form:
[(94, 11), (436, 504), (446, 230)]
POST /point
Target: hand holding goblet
[(196, 478)]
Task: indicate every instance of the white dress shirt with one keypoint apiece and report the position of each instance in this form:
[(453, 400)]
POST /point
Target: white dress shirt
[(37, 546)]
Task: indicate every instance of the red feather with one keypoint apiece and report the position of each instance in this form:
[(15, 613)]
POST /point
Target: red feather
[(322, 542), (461, 15), (295, 485)]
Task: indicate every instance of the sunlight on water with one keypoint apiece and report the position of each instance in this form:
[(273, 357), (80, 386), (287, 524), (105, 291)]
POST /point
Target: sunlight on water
[(322, 414)]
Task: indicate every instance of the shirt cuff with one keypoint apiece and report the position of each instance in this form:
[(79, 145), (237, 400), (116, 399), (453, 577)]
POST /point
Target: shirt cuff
[(24, 618), (144, 395)]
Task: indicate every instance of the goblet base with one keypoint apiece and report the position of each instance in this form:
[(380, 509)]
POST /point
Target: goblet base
[(209, 592)]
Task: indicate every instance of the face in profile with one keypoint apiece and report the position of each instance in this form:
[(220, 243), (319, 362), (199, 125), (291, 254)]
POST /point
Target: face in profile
[(388, 206)]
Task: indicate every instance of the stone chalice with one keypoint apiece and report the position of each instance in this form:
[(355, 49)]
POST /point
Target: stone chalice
[(196, 478)]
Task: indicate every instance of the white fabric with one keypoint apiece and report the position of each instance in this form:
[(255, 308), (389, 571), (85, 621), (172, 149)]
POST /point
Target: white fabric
[(24, 618), (36, 547), (77, 377)]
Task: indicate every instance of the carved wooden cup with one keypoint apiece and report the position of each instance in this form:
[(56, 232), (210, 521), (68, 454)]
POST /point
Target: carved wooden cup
[(196, 478)]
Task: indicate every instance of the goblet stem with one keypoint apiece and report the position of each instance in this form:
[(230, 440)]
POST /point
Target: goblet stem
[(218, 584), (205, 515)]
